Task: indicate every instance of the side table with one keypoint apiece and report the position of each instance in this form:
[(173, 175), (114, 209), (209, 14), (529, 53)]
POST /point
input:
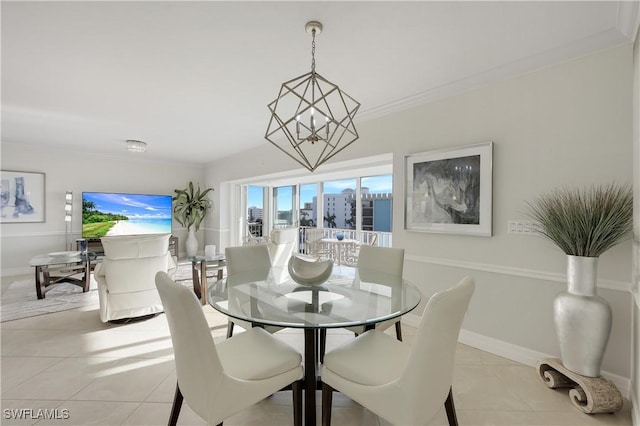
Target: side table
[(56, 270), (199, 266)]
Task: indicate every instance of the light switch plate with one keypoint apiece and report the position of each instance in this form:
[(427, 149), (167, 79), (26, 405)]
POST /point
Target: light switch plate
[(523, 227)]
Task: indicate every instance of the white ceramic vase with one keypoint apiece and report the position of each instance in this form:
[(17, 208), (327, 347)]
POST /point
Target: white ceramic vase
[(582, 318), (191, 245)]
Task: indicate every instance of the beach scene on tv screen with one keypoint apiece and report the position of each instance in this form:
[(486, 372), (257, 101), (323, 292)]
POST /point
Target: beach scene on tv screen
[(107, 214)]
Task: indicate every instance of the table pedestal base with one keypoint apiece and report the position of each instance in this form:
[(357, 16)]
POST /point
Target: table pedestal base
[(590, 395), (311, 381)]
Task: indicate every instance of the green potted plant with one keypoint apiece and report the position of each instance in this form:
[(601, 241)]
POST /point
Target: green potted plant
[(583, 224), (190, 209)]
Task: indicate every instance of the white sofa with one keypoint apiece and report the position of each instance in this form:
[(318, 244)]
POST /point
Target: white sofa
[(126, 276)]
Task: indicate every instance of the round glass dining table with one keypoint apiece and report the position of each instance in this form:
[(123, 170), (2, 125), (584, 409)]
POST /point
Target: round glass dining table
[(349, 297)]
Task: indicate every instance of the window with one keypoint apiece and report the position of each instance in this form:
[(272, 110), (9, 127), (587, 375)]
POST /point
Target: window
[(356, 200), (255, 211), (342, 216), (376, 197), (308, 205), (284, 206)]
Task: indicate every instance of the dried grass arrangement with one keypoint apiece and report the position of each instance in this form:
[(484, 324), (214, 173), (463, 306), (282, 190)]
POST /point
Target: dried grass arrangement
[(585, 222)]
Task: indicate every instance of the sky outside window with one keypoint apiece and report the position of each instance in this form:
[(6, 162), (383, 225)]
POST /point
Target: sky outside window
[(307, 192), (337, 186), (285, 194), (382, 184), (255, 196)]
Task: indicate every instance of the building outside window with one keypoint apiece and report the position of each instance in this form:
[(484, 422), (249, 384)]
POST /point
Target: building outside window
[(377, 203), (365, 204), (255, 209), (339, 198), (308, 205)]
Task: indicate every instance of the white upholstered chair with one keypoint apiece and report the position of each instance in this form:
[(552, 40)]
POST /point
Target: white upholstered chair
[(375, 261), (254, 260), (126, 275), (248, 263), (282, 243), (416, 379), (221, 379), (387, 261)]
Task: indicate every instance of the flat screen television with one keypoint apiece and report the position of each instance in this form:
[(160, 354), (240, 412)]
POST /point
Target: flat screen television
[(107, 214)]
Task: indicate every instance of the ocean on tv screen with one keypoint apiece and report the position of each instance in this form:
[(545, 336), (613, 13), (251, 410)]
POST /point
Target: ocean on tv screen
[(107, 214)]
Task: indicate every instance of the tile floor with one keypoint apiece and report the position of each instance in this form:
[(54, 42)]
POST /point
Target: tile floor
[(109, 374)]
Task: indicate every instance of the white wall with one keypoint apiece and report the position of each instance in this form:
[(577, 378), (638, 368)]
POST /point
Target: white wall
[(77, 172), (566, 125)]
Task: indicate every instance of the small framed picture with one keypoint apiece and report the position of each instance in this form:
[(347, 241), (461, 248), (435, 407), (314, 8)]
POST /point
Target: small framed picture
[(22, 197), (449, 190)]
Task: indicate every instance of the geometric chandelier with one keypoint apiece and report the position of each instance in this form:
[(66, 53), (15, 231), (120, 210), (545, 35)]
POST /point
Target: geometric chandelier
[(312, 119)]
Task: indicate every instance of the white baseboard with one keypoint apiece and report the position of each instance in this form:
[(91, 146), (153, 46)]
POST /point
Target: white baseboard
[(10, 272), (524, 356)]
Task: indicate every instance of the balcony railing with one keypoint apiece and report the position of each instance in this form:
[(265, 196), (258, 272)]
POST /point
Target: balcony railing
[(383, 239)]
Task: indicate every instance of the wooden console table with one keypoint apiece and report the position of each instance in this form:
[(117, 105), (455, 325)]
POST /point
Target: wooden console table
[(590, 395)]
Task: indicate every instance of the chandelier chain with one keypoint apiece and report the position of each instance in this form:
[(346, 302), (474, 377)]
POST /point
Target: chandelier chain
[(313, 51)]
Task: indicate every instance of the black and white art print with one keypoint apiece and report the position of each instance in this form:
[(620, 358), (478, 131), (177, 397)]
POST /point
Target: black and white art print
[(22, 196), (449, 190)]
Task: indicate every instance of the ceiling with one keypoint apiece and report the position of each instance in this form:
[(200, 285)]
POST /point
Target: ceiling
[(193, 79)]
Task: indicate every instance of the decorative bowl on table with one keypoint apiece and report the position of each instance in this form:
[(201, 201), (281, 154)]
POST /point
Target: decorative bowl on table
[(309, 270)]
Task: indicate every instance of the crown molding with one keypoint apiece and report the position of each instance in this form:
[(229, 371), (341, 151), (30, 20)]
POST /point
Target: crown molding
[(625, 31)]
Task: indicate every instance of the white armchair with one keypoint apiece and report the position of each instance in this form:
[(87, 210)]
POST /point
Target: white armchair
[(126, 276)]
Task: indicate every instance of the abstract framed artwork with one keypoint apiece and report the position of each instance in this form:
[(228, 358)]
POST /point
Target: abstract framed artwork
[(22, 197), (449, 190)]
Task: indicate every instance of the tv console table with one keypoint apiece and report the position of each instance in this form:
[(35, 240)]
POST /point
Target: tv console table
[(95, 245)]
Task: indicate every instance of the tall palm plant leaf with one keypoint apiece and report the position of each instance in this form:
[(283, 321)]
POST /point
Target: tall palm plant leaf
[(585, 222), (191, 206)]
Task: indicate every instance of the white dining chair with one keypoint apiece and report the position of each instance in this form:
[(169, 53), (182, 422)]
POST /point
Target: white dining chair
[(387, 261), (251, 263), (221, 379), (283, 242), (404, 384), (373, 261)]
